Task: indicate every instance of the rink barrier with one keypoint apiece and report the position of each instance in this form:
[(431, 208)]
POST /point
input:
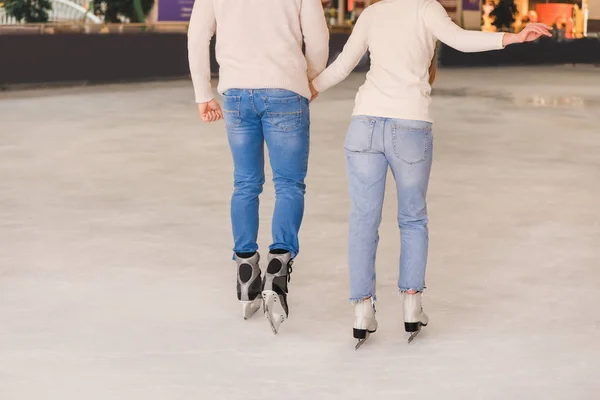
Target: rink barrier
[(73, 58), (126, 56), (542, 52), (80, 58)]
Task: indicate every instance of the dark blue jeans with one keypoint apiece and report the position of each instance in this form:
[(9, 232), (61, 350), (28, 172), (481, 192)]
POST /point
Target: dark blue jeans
[(281, 119)]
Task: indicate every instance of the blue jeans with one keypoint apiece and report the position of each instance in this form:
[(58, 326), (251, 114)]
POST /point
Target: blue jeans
[(373, 144), (281, 119)]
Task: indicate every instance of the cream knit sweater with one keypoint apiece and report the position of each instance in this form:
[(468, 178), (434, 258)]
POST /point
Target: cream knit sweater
[(259, 44), (400, 36)]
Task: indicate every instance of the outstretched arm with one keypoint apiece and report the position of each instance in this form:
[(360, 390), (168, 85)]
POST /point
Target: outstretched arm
[(529, 34), (354, 50), (440, 24)]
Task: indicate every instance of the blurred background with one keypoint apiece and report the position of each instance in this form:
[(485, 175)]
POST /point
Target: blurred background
[(81, 41), (116, 280)]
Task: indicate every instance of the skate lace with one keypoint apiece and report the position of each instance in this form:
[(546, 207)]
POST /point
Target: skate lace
[(290, 270)]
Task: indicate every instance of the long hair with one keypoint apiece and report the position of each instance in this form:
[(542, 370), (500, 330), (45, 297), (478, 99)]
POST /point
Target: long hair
[(433, 66)]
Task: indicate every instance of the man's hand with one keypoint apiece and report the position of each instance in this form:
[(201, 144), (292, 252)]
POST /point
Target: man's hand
[(210, 111), (313, 92)]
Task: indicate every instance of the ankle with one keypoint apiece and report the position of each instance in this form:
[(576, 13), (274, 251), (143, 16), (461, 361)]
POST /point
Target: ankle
[(245, 255), (361, 300), (279, 251)]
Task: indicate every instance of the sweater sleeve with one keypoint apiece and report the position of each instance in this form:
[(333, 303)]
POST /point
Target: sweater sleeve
[(355, 48), (440, 24), (201, 30), (316, 36)]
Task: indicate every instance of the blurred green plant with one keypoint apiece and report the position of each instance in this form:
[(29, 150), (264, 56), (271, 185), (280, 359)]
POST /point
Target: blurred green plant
[(115, 11), (28, 10)]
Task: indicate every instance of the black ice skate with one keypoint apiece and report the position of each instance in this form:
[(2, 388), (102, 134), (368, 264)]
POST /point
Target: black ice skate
[(275, 289), (249, 284)]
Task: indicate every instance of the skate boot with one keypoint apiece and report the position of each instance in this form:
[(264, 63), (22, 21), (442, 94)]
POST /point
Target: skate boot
[(248, 284), (275, 288), (364, 321), (414, 317)]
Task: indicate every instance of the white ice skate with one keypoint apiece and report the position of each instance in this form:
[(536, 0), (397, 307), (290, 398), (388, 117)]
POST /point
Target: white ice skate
[(249, 284), (414, 317), (364, 321), (275, 289)]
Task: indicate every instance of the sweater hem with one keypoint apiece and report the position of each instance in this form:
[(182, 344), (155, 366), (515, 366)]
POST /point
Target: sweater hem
[(412, 116), (301, 89)]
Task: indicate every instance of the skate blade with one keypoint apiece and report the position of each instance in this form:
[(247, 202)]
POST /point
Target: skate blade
[(360, 342), (273, 310), (249, 308), (413, 336)]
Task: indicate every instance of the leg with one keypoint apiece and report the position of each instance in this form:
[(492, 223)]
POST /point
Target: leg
[(409, 150), (244, 132), (286, 123), (285, 120), (367, 170)]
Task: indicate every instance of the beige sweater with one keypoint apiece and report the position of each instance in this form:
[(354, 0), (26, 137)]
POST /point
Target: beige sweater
[(259, 44), (400, 36)]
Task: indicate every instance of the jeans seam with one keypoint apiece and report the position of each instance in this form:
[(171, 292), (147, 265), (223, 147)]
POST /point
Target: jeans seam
[(383, 134), (371, 132), (253, 105)]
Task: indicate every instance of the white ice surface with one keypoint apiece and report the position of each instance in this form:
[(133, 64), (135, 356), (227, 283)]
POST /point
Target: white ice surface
[(116, 280)]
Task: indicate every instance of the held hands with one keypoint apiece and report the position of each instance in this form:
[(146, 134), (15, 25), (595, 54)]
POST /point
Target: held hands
[(313, 92), (210, 111), (531, 32)]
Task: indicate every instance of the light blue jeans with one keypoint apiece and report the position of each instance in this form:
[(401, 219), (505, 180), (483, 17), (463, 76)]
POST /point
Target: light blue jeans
[(281, 119), (406, 146)]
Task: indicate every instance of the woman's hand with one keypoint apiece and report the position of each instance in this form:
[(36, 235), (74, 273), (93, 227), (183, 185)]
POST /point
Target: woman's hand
[(313, 92), (210, 111), (531, 32)]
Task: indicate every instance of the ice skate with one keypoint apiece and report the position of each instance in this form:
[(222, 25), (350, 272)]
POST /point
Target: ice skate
[(364, 321), (275, 289), (249, 284), (414, 317)]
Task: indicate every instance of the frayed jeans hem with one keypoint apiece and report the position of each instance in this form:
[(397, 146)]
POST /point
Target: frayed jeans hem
[(418, 290), (356, 300)]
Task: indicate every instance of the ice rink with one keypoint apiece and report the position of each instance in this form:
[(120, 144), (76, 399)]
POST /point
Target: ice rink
[(116, 279)]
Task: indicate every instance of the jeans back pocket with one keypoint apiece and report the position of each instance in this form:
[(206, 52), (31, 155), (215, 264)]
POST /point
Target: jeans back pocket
[(231, 111), (412, 141), (284, 113), (360, 134)]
